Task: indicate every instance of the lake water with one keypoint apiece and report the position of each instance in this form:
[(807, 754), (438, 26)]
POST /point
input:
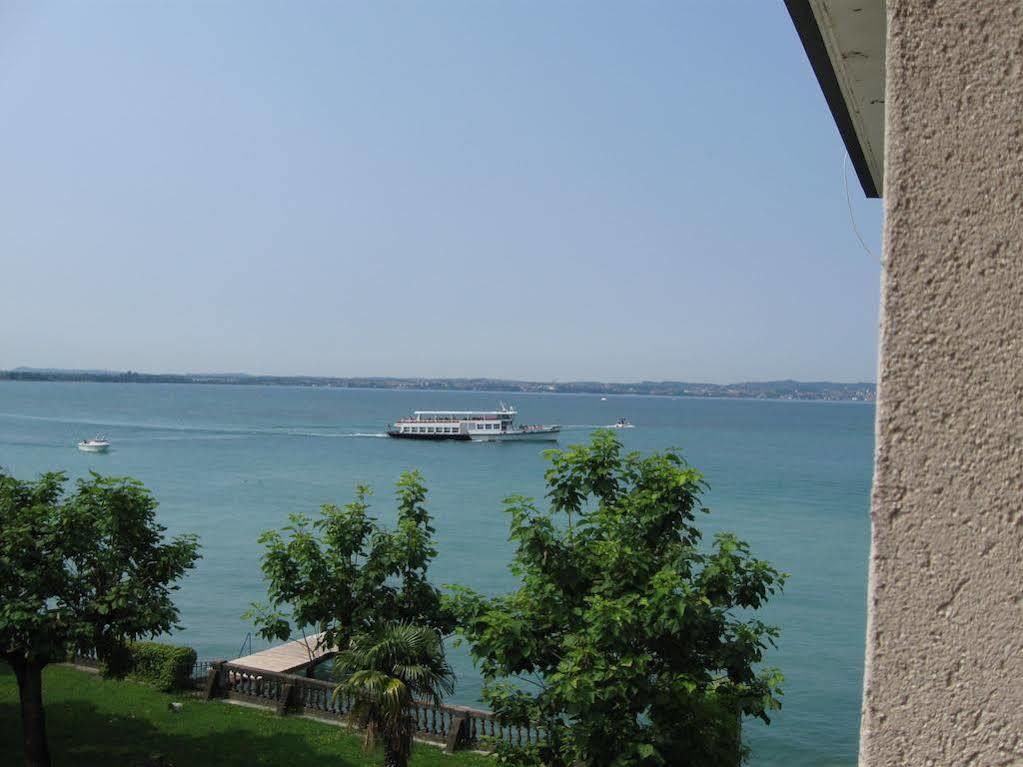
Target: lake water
[(229, 462)]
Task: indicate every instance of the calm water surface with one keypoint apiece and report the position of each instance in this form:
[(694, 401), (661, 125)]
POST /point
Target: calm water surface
[(229, 462)]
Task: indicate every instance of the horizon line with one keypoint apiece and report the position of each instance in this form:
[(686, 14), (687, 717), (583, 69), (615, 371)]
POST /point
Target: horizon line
[(414, 378)]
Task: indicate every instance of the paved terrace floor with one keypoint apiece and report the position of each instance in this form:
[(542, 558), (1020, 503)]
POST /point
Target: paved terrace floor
[(288, 657)]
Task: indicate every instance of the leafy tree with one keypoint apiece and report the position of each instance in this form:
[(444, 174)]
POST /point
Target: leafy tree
[(387, 670), (628, 642), (343, 574), (80, 571)]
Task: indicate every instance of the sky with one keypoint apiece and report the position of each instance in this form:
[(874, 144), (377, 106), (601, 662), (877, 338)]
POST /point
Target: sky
[(534, 190)]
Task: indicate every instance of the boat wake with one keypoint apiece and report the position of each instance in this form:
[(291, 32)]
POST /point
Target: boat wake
[(186, 432)]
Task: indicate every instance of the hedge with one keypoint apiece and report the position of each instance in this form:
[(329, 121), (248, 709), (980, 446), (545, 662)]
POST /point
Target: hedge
[(166, 667)]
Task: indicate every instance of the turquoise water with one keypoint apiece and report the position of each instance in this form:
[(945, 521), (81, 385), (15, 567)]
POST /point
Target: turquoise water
[(228, 462)]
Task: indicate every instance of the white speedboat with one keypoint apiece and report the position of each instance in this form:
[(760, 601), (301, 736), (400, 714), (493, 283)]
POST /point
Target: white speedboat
[(622, 423), (97, 445), (465, 425)]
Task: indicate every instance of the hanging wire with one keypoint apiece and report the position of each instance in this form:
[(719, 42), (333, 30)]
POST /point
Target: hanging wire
[(852, 218)]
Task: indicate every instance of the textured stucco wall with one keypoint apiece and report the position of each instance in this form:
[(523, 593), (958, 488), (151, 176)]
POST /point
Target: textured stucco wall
[(944, 682)]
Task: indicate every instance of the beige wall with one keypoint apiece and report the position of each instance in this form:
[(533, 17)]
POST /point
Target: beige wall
[(944, 681)]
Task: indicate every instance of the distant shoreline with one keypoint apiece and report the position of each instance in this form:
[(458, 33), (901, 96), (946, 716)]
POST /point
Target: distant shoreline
[(826, 391)]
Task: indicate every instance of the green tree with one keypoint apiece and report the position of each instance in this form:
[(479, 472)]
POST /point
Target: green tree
[(88, 570), (343, 574), (628, 641), (387, 670)]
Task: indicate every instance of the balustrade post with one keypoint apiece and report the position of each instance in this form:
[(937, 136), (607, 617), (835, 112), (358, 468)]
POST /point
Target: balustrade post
[(285, 700), (214, 680), (455, 733)]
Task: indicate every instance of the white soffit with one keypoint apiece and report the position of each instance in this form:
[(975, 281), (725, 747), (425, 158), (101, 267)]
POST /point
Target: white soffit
[(853, 32)]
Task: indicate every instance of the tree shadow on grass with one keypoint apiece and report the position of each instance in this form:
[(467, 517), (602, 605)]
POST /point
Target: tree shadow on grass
[(81, 735)]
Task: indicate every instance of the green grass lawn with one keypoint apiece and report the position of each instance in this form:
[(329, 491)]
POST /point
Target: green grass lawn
[(94, 722)]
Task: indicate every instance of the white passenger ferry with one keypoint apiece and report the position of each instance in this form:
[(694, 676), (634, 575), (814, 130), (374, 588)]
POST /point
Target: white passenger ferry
[(465, 425)]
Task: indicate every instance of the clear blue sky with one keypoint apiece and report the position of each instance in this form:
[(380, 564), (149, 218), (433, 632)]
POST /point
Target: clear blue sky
[(541, 190)]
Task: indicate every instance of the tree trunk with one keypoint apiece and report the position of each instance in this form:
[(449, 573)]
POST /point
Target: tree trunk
[(393, 757), (33, 720)]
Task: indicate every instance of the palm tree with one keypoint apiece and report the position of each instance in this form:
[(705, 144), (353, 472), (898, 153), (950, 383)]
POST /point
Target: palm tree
[(387, 671)]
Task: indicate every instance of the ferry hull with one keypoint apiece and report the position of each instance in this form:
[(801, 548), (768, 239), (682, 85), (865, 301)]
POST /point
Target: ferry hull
[(429, 437), (549, 434)]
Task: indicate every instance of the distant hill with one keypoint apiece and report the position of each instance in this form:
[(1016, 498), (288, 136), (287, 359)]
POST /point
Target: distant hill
[(787, 389), (64, 371)]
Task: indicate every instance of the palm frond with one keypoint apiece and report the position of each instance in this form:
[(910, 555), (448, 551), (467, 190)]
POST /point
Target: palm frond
[(388, 670)]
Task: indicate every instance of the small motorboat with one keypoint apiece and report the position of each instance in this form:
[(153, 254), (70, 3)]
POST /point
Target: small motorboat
[(97, 445), (622, 423)]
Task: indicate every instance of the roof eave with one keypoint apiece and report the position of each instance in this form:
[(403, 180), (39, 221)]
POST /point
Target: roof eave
[(823, 62)]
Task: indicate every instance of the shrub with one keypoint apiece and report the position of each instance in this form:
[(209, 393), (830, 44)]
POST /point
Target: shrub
[(638, 638), (166, 667)]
